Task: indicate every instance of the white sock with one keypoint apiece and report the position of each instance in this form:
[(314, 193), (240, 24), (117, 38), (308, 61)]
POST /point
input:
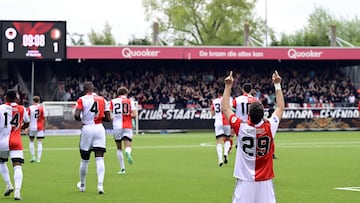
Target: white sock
[(100, 169), (18, 177), (120, 157), (39, 151), (128, 150), (83, 170), (32, 149), (5, 173), (219, 152), (226, 148)]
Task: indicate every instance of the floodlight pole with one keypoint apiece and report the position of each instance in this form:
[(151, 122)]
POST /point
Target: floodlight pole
[(266, 25), (32, 80)]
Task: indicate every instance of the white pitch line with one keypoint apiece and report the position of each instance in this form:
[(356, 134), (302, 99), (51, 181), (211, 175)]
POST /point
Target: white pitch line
[(134, 147), (354, 144), (320, 143), (355, 189)]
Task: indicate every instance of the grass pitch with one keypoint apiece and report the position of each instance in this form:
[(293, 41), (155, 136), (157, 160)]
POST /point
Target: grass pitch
[(183, 168)]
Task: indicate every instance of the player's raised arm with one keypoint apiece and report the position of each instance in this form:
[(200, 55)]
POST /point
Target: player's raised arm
[(225, 102), (280, 103)]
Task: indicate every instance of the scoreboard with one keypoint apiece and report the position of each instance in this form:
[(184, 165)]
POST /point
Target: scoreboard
[(35, 40)]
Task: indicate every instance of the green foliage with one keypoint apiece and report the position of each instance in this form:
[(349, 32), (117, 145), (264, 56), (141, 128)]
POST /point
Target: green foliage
[(139, 41), (349, 29), (203, 22), (177, 168), (317, 30), (104, 38)]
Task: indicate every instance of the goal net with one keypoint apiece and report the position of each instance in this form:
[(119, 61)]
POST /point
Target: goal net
[(60, 118)]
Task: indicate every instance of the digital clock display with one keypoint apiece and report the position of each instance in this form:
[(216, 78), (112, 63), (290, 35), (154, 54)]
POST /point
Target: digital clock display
[(33, 40)]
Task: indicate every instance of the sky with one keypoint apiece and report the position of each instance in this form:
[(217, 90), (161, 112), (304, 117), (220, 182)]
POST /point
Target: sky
[(126, 17)]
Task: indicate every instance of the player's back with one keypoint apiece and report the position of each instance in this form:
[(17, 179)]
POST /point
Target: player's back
[(93, 108), (121, 108), (37, 117), (19, 117), (242, 104), (220, 118), (254, 160), (5, 125)]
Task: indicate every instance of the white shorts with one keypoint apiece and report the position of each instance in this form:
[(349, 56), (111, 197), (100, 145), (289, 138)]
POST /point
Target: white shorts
[(222, 129), (92, 136), (119, 134), (249, 191), (12, 154), (36, 133)]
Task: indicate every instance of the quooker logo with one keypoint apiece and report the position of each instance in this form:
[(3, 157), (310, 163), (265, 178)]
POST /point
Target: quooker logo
[(292, 53), (129, 53)]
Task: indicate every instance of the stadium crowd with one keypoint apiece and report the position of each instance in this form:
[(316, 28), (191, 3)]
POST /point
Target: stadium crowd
[(195, 88)]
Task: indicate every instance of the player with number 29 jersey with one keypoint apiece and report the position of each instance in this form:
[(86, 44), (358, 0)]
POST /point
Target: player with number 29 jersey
[(253, 168), (255, 143)]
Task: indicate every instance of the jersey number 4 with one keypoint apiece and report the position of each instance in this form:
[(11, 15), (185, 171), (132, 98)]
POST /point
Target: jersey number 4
[(14, 121), (95, 108)]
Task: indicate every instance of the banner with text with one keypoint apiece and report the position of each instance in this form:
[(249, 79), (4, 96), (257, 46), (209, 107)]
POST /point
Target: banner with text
[(170, 118), (293, 119)]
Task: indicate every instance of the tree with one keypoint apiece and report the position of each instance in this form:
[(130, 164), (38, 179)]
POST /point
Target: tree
[(104, 38), (204, 22), (317, 30), (139, 41), (315, 33), (348, 30)]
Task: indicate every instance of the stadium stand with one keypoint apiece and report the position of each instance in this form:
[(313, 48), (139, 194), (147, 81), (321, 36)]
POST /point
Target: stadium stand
[(186, 86)]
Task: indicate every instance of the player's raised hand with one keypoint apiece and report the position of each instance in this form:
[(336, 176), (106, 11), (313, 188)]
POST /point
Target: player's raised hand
[(229, 79), (276, 77)]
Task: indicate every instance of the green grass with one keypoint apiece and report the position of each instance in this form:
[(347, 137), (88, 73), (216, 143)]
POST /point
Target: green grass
[(176, 168)]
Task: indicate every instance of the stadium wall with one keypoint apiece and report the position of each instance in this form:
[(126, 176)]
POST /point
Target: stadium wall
[(177, 120)]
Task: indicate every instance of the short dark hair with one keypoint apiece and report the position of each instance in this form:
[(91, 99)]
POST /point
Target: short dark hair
[(220, 91), (122, 91), (11, 95), (247, 87), (256, 112), (88, 86), (36, 99)]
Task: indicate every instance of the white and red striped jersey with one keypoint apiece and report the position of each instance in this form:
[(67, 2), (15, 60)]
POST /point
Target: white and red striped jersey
[(241, 105), (93, 108), (219, 116), (121, 108), (37, 117), (12, 118), (254, 156)]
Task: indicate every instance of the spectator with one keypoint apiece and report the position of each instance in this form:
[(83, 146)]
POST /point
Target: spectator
[(352, 99)]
